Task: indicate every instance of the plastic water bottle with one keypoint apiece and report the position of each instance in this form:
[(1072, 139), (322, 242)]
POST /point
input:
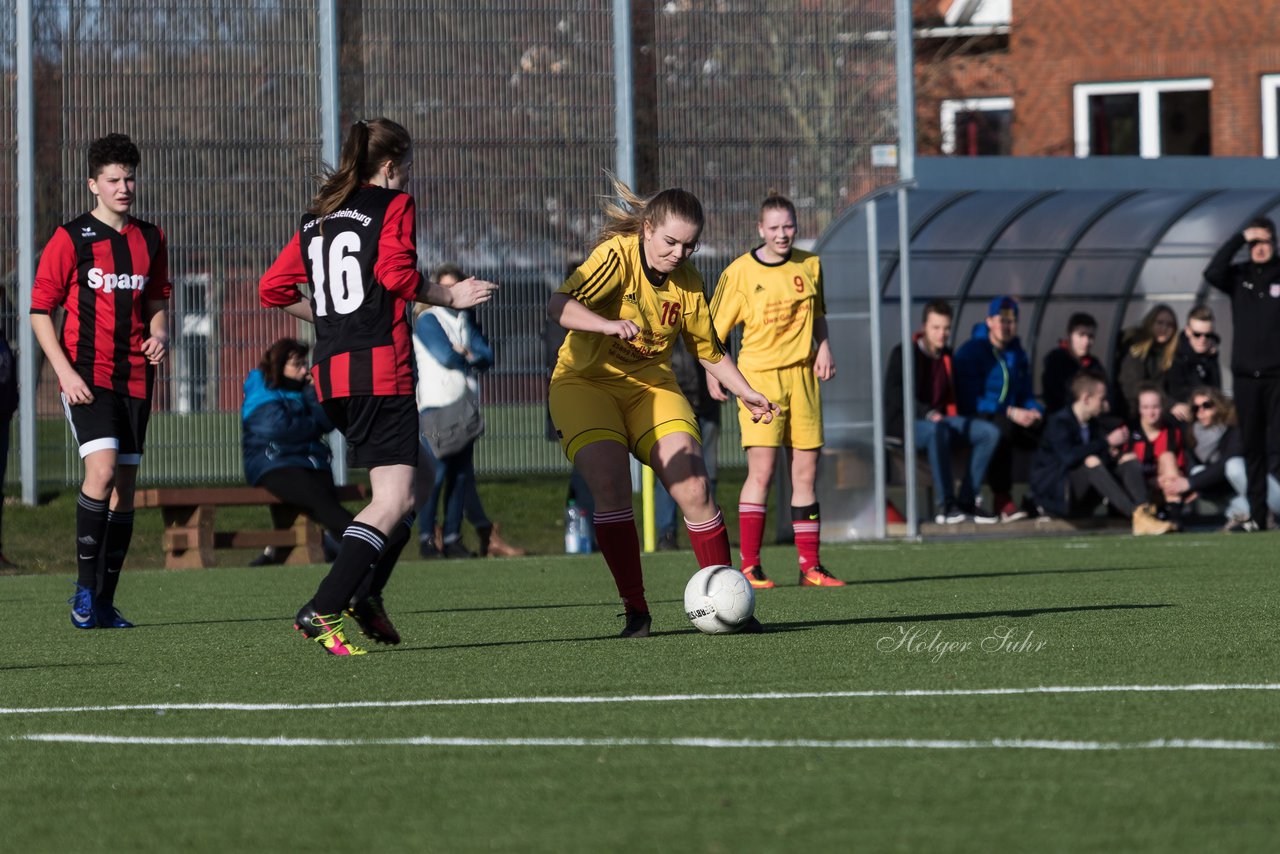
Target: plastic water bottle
[(573, 525), (583, 529)]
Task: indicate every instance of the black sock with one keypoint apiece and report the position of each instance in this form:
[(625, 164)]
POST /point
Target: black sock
[(115, 547), (361, 546), (380, 572), (91, 521)]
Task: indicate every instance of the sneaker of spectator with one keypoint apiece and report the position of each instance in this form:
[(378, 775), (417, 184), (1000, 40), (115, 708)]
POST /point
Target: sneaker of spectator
[(1008, 510), (950, 514), (1147, 523), (981, 515)]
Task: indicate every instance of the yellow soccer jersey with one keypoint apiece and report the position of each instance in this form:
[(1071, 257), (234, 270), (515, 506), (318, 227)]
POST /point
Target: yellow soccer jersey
[(777, 305), (615, 284)]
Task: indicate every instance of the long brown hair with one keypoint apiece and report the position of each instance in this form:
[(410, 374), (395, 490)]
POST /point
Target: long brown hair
[(369, 144), (1224, 410), (627, 214)]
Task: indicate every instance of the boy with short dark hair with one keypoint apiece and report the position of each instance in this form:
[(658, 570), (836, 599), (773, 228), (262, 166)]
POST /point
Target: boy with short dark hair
[(110, 273), (1072, 355)]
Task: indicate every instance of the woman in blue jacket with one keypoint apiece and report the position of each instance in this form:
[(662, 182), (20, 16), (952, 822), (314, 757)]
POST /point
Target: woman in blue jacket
[(282, 436)]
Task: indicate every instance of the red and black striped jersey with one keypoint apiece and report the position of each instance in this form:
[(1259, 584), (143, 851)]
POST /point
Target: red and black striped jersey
[(360, 264), (104, 279), (1148, 451)]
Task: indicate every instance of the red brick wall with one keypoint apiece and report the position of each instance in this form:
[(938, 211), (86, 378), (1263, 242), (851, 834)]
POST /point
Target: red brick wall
[(1056, 44), (942, 75)]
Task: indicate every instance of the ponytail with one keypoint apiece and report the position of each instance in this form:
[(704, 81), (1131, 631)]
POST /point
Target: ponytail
[(369, 144), (627, 214)]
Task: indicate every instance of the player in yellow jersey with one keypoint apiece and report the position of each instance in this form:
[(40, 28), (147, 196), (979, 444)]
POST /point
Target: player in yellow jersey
[(775, 292), (613, 391)]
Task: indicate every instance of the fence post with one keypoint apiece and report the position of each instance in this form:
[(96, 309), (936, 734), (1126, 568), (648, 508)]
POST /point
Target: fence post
[(26, 155), (331, 145)]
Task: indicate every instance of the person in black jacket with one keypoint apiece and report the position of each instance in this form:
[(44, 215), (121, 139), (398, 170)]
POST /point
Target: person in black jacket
[(1076, 463), (282, 438), (1254, 289), (1072, 355), (1195, 362), (938, 426)]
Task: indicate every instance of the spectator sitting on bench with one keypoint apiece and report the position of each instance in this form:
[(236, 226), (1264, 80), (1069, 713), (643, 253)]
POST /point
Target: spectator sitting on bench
[(993, 383), (938, 426), (1072, 355), (1145, 355), (282, 438), (1215, 460), (1077, 465), (1195, 362)]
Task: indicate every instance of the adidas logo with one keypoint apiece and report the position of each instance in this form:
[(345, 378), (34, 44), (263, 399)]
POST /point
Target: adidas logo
[(630, 297), (759, 288), (86, 231), (87, 541)]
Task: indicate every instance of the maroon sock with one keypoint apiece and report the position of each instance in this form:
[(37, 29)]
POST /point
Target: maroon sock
[(710, 541), (620, 545), (751, 530), (807, 524)]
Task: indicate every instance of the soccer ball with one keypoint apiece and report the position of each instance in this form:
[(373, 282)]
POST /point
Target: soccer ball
[(718, 600)]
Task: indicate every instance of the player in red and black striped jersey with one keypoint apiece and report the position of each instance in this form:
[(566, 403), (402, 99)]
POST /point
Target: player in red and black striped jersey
[(355, 251), (110, 273)]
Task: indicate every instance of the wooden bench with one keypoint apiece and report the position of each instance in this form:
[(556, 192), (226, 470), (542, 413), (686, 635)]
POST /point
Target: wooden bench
[(190, 536)]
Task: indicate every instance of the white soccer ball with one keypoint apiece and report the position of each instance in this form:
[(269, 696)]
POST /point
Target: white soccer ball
[(719, 600)]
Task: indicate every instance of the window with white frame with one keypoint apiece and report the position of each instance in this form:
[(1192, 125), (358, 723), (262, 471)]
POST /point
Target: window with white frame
[(977, 126), (1271, 115), (1149, 118)]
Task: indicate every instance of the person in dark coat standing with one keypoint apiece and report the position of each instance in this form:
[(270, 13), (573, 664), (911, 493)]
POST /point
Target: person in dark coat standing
[(1254, 289), (8, 406)]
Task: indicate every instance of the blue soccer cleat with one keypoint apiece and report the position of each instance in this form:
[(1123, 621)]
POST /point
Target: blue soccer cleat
[(83, 615), (109, 617)]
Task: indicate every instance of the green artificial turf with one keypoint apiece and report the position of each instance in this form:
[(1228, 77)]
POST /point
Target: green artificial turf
[(1098, 611)]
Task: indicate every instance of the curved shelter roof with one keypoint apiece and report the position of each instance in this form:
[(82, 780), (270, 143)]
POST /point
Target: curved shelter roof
[(1108, 236)]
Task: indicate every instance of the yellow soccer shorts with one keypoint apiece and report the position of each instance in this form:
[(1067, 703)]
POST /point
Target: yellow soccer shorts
[(798, 421), (633, 413)]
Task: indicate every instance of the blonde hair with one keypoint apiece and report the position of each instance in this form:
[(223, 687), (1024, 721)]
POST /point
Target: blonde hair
[(1141, 340), (627, 214)]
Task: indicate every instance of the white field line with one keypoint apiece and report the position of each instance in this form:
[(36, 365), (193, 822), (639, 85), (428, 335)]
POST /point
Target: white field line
[(714, 743), (645, 698)]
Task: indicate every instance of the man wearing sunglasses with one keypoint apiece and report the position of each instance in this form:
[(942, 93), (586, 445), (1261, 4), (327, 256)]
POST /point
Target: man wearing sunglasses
[(1254, 289), (1195, 362)]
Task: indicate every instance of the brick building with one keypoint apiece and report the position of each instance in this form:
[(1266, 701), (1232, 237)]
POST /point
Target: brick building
[(1096, 77)]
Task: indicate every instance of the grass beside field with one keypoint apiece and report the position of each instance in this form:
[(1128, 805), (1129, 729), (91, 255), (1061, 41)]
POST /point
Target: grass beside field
[(815, 772)]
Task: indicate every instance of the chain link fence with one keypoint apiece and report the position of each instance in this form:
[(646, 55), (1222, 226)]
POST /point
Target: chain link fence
[(512, 109)]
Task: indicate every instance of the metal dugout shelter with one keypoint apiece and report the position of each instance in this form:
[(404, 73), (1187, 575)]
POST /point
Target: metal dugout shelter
[(1107, 236)]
